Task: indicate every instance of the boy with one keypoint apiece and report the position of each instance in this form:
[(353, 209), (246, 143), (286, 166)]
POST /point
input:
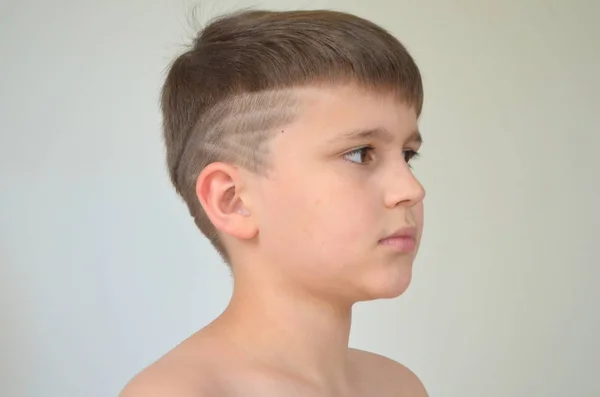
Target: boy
[(289, 135)]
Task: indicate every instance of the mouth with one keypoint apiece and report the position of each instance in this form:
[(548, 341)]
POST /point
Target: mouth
[(403, 240)]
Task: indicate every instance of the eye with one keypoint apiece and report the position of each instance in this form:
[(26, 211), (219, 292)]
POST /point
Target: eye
[(409, 155), (360, 155)]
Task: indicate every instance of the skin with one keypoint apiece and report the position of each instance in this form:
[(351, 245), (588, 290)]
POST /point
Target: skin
[(305, 241)]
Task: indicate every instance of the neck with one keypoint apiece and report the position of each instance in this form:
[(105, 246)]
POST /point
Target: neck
[(289, 330)]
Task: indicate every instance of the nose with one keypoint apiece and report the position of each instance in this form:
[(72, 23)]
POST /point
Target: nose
[(403, 188)]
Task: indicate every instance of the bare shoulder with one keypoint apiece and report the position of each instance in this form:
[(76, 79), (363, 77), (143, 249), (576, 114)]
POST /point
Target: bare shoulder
[(183, 372), (382, 370), (154, 383), (158, 380)]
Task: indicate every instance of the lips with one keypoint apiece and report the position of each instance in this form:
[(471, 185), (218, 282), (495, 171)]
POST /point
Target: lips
[(403, 240)]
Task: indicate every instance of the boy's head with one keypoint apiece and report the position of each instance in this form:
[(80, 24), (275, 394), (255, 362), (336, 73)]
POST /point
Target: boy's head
[(288, 135)]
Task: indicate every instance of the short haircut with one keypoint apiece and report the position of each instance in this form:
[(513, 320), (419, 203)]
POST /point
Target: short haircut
[(224, 97)]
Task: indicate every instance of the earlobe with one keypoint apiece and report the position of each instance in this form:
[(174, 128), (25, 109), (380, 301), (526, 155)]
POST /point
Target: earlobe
[(219, 188)]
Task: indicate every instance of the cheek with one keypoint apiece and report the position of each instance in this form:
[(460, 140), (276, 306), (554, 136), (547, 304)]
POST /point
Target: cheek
[(283, 209), (319, 218), (336, 217)]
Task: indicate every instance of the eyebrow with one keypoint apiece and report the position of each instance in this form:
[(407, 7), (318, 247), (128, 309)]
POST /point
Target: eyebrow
[(379, 134)]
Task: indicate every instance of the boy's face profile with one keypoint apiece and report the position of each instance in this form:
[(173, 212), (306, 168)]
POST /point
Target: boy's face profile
[(338, 185)]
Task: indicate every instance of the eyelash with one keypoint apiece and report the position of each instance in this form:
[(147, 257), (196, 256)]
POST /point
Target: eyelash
[(408, 154)]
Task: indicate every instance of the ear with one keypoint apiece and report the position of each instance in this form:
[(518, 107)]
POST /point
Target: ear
[(220, 189)]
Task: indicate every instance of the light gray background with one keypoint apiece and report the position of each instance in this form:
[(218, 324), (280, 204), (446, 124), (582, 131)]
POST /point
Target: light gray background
[(102, 270)]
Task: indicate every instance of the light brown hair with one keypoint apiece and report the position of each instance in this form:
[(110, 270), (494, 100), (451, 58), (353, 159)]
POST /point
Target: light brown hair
[(223, 98)]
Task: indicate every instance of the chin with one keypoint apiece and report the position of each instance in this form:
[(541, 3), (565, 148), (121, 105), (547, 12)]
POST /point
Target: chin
[(387, 284)]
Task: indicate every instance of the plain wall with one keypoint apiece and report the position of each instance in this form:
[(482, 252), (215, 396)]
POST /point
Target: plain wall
[(102, 270)]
